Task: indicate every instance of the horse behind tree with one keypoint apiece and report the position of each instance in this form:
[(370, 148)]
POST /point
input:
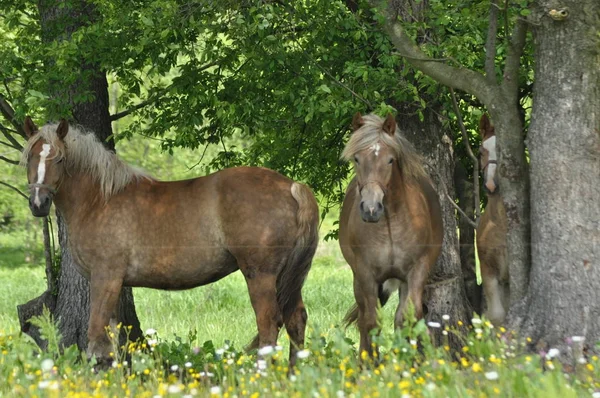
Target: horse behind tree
[(127, 229), (390, 225), (491, 232)]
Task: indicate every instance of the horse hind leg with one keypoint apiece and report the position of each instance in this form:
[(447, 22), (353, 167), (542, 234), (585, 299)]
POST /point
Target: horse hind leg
[(263, 296), (295, 325)]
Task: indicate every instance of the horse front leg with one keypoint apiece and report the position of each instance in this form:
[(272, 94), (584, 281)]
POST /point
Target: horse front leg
[(105, 290), (365, 293), (416, 280)]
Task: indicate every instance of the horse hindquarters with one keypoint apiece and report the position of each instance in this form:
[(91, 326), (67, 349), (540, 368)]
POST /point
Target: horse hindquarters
[(282, 298)]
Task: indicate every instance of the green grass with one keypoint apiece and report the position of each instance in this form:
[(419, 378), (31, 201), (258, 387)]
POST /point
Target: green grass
[(200, 334)]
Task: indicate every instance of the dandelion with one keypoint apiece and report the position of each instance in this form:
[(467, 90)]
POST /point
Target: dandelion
[(491, 375), (303, 354), (47, 365), (215, 390), (266, 350), (476, 367), (590, 367), (150, 332), (446, 317)]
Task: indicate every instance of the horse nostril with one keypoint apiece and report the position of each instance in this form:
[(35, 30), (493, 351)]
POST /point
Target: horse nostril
[(379, 206), (362, 205), (46, 200)]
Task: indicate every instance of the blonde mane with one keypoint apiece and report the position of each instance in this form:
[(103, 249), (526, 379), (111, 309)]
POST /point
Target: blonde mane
[(371, 133), (83, 152)]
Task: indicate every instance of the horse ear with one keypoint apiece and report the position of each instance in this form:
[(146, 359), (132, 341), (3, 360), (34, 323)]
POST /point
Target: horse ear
[(357, 121), (29, 127), (389, 126), (485, 126), (62, 129)]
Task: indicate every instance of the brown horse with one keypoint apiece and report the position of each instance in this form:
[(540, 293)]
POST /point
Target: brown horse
[(491, 232), (128, 229), (390, 225)]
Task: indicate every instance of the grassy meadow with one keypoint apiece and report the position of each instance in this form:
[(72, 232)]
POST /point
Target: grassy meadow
[(195, 340)]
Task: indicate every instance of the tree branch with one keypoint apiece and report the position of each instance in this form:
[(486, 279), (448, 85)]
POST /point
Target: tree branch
[(9, 114), (465, 137), (134, 108), (490, 44), (510, 83), (459, 78), (7, 160), (14, 189), (461, 212)]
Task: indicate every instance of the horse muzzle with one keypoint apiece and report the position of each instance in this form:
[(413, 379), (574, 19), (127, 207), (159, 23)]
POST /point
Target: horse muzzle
[(40, 203), (371, 211)]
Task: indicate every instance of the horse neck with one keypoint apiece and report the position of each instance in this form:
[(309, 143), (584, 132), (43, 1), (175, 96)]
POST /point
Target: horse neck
[(77, 193), (396, 191)]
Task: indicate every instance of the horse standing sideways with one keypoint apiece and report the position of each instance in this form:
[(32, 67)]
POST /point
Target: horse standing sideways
[(491, 232), (128, 229), (391, 224)]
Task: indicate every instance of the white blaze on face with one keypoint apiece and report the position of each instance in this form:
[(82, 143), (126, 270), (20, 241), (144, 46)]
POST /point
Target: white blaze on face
[(490, 146), (376, 147), (41, 172)]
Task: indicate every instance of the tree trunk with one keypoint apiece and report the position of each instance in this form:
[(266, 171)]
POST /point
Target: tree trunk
[(564, 143), (445, 292), (466, 200), (71, 303)]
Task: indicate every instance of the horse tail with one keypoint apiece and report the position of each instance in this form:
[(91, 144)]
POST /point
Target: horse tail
[(292, 275), (385, 291)]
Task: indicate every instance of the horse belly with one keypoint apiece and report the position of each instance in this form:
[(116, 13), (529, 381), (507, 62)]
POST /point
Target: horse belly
[(182, 268)]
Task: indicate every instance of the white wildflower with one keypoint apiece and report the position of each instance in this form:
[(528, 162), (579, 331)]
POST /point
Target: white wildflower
[(266, 350), (446, 317), (220, 351), (578, 339), (491, 375), (476, 321), (215, 390), (174, 368), (303, 354), (47, 365), (278, 348), (261, 364), (553, 352), (188, 365), (150, 332), (434, 324), (174, 389)]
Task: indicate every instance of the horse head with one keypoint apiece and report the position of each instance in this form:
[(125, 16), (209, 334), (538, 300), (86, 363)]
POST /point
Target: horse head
[(374, 164), (44, 166), (487, 154)]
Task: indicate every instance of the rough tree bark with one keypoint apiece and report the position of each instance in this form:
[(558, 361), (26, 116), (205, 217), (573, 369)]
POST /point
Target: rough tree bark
[(564, 142), (70, 305), (501, 99), (445, 292), (466, 201)]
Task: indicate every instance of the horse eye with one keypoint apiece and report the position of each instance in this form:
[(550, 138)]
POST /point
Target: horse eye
[(391, 161), (356, 159)]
